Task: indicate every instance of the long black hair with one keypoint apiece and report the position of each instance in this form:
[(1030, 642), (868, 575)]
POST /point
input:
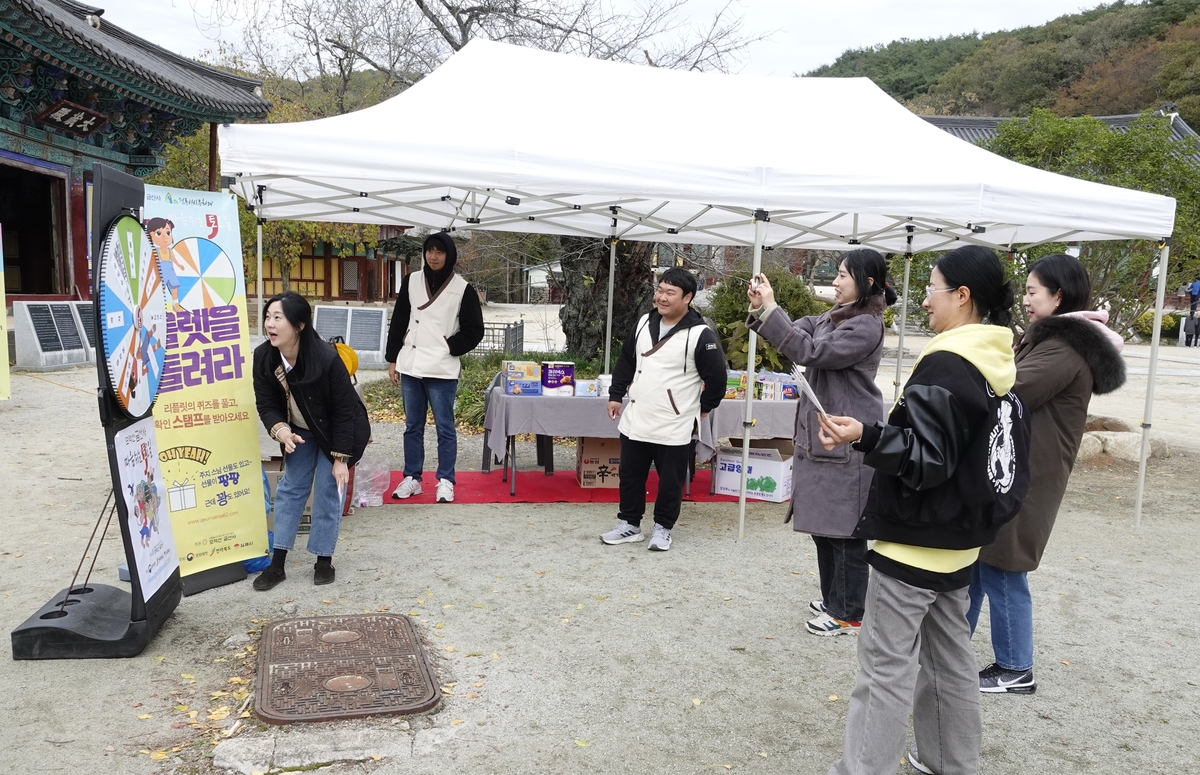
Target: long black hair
[(1060, 272), (869, 271), (978, 268), (299, 313)]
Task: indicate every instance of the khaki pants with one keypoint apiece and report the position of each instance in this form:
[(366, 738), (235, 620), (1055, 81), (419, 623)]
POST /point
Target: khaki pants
[(906, 626)]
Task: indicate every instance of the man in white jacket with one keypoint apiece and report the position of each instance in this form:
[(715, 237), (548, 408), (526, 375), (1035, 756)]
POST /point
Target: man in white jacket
[(672, 368)]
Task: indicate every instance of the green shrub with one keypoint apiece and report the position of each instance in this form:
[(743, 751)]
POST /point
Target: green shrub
[(728, 311), (1145, 326), (889, 316)]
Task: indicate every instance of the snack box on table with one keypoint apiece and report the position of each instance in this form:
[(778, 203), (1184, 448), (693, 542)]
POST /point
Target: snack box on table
[(521, 378), (598, 463), (735, 385), (558, 378), (768, 477), (587, 387)]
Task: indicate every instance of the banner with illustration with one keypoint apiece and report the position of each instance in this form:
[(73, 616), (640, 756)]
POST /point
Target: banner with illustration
[(142, 488), (204, 418)]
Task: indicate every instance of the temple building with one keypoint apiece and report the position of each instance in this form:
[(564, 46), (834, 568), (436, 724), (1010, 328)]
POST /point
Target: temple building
[(77, 91)]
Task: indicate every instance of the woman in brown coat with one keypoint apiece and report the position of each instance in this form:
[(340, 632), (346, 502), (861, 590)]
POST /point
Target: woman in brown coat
[(1066, 355), (840, 350)]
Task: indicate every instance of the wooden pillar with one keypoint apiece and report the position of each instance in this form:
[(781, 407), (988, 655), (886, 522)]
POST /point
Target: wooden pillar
[(212, 156), (77, 233)]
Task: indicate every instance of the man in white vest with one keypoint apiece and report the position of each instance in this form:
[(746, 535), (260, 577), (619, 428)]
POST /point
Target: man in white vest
[(437, 319), (672, 368)]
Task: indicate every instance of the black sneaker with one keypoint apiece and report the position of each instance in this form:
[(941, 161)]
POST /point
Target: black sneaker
[(996, 680), (323, 574), (269, 578)]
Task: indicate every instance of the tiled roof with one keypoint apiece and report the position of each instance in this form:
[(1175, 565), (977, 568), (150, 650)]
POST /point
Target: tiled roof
[(976, 128), (59, 28)]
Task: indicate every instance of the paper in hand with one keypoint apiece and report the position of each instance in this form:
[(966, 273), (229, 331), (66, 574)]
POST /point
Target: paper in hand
[(808, 391)]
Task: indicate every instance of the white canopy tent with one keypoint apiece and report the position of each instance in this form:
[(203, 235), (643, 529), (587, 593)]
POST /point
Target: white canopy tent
[(513, 139)]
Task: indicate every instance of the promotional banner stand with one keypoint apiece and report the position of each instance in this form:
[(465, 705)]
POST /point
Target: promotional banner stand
[(96, 620)]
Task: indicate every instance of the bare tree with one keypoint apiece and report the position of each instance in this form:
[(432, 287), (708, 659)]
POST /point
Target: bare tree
[(403, 40)]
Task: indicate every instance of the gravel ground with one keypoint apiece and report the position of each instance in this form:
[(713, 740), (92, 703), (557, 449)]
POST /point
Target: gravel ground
[(594, 659)]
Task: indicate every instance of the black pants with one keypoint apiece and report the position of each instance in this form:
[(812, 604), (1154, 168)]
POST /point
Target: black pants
[(671, 464), (842, 563)]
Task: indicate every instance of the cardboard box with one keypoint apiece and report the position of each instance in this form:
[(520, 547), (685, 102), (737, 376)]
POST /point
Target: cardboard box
[(768, 477), (598, 463), (521, 378), (558, 378), (587, 387), (735, 384)]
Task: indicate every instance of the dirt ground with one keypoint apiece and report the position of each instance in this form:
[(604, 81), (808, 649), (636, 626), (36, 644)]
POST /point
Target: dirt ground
[(566, 656)]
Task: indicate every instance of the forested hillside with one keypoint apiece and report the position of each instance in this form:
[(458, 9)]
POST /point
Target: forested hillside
[(1116, 58)]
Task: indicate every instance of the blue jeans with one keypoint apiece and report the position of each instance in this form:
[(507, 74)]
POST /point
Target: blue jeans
[(420, 394), (1011, 608), (301, 468)]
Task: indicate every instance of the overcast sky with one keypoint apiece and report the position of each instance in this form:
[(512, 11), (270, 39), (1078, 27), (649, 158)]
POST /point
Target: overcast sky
[(809, 33)]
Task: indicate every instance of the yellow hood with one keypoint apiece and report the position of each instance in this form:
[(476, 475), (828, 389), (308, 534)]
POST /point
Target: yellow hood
[(988, 348)]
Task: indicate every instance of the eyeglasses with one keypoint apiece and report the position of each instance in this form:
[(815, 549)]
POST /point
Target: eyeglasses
[(930, 290)]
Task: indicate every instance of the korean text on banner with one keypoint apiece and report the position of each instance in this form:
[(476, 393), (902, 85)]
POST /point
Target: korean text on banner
[(205, 419), (142, 488)]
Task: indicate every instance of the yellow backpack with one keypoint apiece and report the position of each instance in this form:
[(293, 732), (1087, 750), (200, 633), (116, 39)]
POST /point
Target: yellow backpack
[(349, 357)]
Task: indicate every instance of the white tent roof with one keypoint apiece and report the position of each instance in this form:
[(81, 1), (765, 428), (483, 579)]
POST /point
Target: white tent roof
[(513, 139)]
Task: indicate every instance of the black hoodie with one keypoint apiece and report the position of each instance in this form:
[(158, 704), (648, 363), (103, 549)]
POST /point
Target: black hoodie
[(470, 313)]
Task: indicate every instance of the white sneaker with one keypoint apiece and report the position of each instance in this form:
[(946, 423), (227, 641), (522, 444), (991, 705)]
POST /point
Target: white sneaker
[(445, 491), (409, 487), (623, 533), (660, 540)]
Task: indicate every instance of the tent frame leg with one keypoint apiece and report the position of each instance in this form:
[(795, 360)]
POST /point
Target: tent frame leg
[(760, 219), (1159, 299), (612, 270)]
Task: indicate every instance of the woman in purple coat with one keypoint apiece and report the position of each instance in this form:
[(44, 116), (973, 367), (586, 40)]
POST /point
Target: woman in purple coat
[(840, 351)]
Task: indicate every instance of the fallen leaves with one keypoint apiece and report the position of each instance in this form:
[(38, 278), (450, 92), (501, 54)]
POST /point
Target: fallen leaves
[(144, 716), (833, 698), (456, 722), (582, 743), (697, 702)]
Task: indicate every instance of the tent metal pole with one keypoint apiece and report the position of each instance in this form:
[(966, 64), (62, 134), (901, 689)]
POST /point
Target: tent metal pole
[(259, 280), (612, 270), (903, 316), (1159, 299), (760, 218)]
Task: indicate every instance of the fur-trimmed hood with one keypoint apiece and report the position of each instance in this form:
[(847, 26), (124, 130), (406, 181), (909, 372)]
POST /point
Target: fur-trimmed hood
[(1093, 345)]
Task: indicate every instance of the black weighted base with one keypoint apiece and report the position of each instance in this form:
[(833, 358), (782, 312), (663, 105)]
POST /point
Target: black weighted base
[(213, 577), (96, 627)]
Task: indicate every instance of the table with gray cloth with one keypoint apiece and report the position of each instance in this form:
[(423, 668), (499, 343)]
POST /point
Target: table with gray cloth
[(545, 417), (772, 420)]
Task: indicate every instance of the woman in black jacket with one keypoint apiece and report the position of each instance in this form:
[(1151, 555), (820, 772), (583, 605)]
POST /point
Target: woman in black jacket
[(307, 403), (950, 469)]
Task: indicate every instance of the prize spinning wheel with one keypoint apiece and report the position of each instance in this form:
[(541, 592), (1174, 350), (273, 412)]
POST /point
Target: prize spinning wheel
[(133, 315)]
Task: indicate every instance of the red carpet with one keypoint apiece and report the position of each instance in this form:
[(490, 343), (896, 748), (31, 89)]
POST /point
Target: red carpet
[(536, 487)]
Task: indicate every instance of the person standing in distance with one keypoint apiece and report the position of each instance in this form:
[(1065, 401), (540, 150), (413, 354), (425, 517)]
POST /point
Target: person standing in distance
[(436, 321), (672, 368)]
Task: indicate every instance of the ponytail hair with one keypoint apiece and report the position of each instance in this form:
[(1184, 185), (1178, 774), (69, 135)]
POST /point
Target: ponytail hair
[(869, 271), (978, 269)]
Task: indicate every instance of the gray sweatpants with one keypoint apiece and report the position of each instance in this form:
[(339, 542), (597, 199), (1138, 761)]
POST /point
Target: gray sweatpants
[(905, 626)]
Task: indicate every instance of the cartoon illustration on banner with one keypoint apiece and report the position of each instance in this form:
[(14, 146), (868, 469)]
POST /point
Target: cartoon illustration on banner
[(205, 418), (142, 488)]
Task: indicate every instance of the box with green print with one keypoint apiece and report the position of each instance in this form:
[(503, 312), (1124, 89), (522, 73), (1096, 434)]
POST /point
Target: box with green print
[(768, 475)]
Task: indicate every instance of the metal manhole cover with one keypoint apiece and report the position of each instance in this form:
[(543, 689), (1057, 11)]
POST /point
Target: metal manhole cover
[(332, 667)]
